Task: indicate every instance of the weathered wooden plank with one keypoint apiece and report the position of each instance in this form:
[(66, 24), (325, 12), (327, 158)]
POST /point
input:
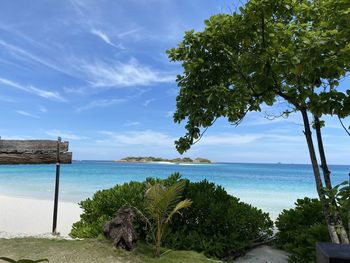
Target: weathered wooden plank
[(34, 158), (33, 146)]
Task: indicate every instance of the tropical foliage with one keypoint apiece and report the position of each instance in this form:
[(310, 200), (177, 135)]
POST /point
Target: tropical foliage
[(301, 227), (216, 223), (294, 51), (162, 203)]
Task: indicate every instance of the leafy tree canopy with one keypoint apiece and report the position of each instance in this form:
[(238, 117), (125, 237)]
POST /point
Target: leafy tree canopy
[(297, 50)]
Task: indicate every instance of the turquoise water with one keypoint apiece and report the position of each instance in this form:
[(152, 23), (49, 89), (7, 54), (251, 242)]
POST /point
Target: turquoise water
[(271, 187)]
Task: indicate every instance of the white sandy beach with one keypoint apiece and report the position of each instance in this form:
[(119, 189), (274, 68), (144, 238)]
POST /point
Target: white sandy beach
[(33, 217)]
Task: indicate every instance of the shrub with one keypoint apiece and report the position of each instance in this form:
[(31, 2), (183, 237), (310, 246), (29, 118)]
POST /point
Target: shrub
[(103, 206), (105, 203), (300, 228), (216, 223)]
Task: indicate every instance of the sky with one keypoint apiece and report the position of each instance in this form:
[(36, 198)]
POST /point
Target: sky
[(95, 72)]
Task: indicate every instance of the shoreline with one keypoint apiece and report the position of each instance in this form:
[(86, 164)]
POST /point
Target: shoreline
[(23, 217), (163, 162)]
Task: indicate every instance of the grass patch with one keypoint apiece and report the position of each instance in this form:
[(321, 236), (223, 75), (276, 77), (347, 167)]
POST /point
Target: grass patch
[(89, 250)]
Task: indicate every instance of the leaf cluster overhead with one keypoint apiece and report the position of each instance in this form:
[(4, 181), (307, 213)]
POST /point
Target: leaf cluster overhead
[(297, 50)]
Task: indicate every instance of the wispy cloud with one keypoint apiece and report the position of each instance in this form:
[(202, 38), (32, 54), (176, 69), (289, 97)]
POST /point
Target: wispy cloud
[(227, 139), (149, 137), (42, 109), (142, 138), (131, 123), (27, 114), (65, 135), (129, 32), (131, 73), (100, 104), (28, 56), (170, 113), (16, 137), (53, 95), (7, 99), (147, 102), (105, 38)]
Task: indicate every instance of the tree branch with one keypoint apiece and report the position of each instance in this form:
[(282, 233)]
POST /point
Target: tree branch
[(342, 124)]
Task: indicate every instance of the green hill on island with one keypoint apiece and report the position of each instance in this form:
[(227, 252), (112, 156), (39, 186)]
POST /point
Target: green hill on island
[(158, 159)]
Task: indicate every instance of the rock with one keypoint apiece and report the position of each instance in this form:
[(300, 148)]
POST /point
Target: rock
[(120, 229)]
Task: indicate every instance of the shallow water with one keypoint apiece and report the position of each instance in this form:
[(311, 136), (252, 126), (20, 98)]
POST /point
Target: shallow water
[(271, 187)]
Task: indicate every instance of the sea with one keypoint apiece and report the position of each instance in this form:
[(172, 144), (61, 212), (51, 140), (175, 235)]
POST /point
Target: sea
[(270, 187)]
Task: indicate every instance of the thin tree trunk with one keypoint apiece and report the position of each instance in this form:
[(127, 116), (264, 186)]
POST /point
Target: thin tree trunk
[(349, 207), (326, 174), (324, 166), (330, 222)]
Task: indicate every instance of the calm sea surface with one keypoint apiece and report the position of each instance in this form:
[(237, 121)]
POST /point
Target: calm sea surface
[(271, 187)]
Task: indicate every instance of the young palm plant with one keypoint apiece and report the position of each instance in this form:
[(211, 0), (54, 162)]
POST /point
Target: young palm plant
[(162, 203)]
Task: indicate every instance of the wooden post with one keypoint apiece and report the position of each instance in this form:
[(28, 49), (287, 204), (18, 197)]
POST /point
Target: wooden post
[(57, 187)]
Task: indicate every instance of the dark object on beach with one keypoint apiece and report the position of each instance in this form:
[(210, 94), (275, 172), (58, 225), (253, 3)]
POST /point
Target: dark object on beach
[(23, 260), (120, 229), (332, 253)]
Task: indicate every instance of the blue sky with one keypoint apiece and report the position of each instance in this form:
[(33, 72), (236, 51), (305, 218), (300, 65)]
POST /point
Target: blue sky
[(95, 72)]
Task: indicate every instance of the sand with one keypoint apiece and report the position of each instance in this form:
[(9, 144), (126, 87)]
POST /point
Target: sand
[(21, 217), (264, 254)]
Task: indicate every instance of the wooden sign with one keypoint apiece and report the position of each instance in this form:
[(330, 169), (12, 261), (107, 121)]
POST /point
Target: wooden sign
[(33, 152), (37, 152)]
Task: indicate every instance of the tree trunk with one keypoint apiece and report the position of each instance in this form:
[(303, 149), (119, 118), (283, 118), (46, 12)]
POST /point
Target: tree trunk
[(324, 166), (349, 207), (326, 174), (325, 207)]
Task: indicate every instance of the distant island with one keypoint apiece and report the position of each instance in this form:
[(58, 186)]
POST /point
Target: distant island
[(158, 159)]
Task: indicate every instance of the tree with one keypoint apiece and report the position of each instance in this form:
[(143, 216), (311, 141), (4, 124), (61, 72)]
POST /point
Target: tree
[(297, 50), (162, 203)]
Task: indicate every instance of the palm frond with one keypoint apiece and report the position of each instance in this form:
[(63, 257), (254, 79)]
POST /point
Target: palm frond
[(181, 205)]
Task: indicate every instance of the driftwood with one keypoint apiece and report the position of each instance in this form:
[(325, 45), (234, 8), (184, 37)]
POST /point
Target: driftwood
[(121, 230), (33, 152)]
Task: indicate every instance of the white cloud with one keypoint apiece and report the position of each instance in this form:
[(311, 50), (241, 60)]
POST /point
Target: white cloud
[(147, 102), (105, 38), (153, 138), (53, 95), (100, 104), (42, 109), (65, 135), (227, 139), (25, 55), (7, 99), (129, 32), (170, 113), (101, 74), (142, 138), (16, 137), (131, 123), (27, 114)]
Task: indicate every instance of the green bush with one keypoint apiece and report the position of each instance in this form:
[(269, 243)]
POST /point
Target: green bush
[(103, 206), (300, 228), (105, 203), (216, 223)]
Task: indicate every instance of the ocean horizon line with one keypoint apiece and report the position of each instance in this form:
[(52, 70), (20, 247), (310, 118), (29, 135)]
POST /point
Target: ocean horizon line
[(213, 162)]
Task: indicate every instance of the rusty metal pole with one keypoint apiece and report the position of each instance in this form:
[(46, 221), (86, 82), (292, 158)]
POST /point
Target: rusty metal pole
[(57, 187)]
